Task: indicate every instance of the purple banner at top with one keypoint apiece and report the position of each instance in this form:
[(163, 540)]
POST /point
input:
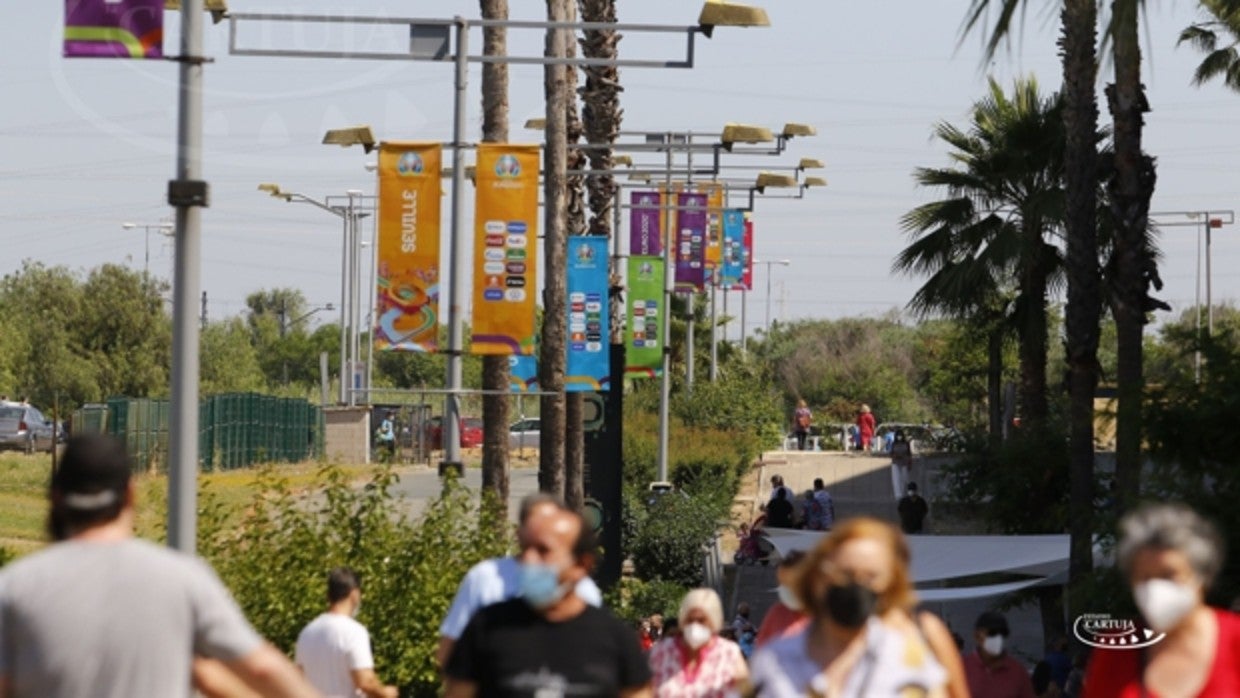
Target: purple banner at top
[(114, 28), (690, 242), (645, 233)]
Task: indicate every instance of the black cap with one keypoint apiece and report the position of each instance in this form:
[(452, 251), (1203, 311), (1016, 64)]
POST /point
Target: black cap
[(993, 623), (93, 473)]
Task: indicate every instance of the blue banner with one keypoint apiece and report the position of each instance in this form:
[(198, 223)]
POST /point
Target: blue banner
[(733, 247), (588, 350), (522, 373)]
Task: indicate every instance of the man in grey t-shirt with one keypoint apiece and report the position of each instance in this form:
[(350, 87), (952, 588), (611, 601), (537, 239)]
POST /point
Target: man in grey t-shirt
[(101, 613)]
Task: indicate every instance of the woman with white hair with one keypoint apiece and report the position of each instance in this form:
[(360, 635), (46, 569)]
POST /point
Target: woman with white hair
[(697, 663), (1170, 556)]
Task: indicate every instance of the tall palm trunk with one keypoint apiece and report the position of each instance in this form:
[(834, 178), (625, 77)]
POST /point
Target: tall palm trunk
[(574, 436), (554, 339), (994, 381), (1032, 350), (1079, 27), (495, 368), (1130, 192)]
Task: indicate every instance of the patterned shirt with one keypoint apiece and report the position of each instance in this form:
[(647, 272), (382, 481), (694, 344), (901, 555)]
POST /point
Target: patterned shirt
[(711, 676)]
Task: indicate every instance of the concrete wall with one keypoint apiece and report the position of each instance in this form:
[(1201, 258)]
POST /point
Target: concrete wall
[(346, 436)]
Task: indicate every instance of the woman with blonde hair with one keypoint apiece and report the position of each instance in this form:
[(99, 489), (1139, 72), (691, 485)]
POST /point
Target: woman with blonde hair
[(698, 663), (864, 638)]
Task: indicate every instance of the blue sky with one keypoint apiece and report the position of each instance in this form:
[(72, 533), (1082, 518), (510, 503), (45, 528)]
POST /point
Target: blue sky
[(88, 144)]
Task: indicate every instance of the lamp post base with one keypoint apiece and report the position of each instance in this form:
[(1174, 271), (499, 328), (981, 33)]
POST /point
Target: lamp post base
[(457, 469)]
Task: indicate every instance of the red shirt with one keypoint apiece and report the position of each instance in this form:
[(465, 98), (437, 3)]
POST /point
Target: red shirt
[(780, 621), (865, 424), (1006, 678), (1117, 673)]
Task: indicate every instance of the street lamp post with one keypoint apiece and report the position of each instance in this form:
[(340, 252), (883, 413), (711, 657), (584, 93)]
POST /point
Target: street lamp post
[(769, 263)]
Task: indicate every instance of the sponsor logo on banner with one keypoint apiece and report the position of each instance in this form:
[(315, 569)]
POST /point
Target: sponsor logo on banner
[(517, 254), (516, 295), (517, 227), (410, 163), (494, 254), (493, 268), (507, 167), (493, 294), (515, 267), (515, 282), (516, 241), (494, 227), (495, 241)]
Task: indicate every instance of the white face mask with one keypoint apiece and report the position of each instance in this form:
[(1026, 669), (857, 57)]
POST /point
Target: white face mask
[(789, 599), (993, 645), (696, 635), (1164, 603)]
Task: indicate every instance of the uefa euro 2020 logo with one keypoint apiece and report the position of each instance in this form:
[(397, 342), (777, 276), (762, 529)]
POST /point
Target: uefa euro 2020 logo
[(507, 167), (410, 163)]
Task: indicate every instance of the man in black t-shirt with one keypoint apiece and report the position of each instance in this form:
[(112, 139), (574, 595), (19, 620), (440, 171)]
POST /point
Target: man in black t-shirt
[(913, 510), (549, 642)]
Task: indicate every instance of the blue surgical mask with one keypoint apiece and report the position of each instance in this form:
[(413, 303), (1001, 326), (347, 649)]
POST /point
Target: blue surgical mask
[(540, 585)]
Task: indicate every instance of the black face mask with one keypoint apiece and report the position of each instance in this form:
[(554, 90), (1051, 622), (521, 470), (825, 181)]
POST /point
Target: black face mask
[(849, 605)]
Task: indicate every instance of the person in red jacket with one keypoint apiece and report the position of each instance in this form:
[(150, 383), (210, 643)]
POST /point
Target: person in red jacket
[(865, 427), (1170, 556)]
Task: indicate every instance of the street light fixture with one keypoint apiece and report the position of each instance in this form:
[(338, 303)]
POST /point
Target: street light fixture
[(354, 135), (163, 228), (717, 13), (769, 263)]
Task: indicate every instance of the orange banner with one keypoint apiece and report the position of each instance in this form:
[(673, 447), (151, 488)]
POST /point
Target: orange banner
[(714, 228), (408, 266), (505, 248)]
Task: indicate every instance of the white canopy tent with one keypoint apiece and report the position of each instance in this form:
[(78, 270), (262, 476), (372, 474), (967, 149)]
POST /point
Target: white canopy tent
[(939, 558)]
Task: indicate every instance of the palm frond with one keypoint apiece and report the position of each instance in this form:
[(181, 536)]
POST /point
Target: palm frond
[(1199, 38)]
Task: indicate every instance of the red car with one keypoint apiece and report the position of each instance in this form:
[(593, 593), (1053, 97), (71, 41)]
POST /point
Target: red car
[(471, 432)]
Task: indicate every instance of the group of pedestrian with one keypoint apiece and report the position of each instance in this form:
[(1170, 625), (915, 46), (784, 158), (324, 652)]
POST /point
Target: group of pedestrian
[(860, 436), (816, 511), (101, 613)]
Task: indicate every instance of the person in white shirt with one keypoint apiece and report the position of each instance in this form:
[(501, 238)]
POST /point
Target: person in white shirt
[(499, 579), (334, 649)]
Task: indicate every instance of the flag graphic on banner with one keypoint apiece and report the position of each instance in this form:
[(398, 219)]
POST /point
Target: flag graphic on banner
[(589, 367), (645, 231), (690, 242), (114, 28), (505, 248), (643, 331), (407, 281), (733, 248)]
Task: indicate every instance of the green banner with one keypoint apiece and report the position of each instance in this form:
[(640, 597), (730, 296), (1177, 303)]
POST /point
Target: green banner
[(643, 332)]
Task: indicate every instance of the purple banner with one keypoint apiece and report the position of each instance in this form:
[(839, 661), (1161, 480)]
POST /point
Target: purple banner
[(114, 28), (690, 242), (645, 234)]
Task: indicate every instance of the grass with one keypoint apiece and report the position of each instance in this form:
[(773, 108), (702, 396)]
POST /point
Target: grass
[(23, 497)]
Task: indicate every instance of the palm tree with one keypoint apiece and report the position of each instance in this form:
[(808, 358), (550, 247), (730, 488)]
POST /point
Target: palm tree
[(495, 368), (996, 229), (574, 404), (1078, 33), (552, 356), (1224, 62)]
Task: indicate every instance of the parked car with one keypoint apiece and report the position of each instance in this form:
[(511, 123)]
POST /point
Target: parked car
[(24, 428), (524, 433), (471, 432)]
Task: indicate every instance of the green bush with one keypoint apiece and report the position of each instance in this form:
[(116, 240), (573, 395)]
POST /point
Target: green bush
[(667, 533), (633, 599), (276, 563)]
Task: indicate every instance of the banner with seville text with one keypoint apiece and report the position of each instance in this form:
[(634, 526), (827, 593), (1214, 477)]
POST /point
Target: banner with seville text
[(505, 248), (114, 29), (589, 352), (408, 264), (643, 330), (645, 231), (690, 242)]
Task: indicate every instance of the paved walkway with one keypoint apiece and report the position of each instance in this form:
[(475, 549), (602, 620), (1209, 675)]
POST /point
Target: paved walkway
[(861, 485)]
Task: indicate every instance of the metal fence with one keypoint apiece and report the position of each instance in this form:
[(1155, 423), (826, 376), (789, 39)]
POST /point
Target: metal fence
[(235, 430)]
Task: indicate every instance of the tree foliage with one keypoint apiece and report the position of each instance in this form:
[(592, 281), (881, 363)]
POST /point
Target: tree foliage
[(276, 561)]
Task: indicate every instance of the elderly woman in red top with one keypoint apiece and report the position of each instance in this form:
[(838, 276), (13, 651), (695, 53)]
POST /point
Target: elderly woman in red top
[(1170, 556), (698, 663), (865, 428)]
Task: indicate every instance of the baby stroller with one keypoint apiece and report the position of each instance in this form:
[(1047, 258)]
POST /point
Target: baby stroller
[(754, 548)]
